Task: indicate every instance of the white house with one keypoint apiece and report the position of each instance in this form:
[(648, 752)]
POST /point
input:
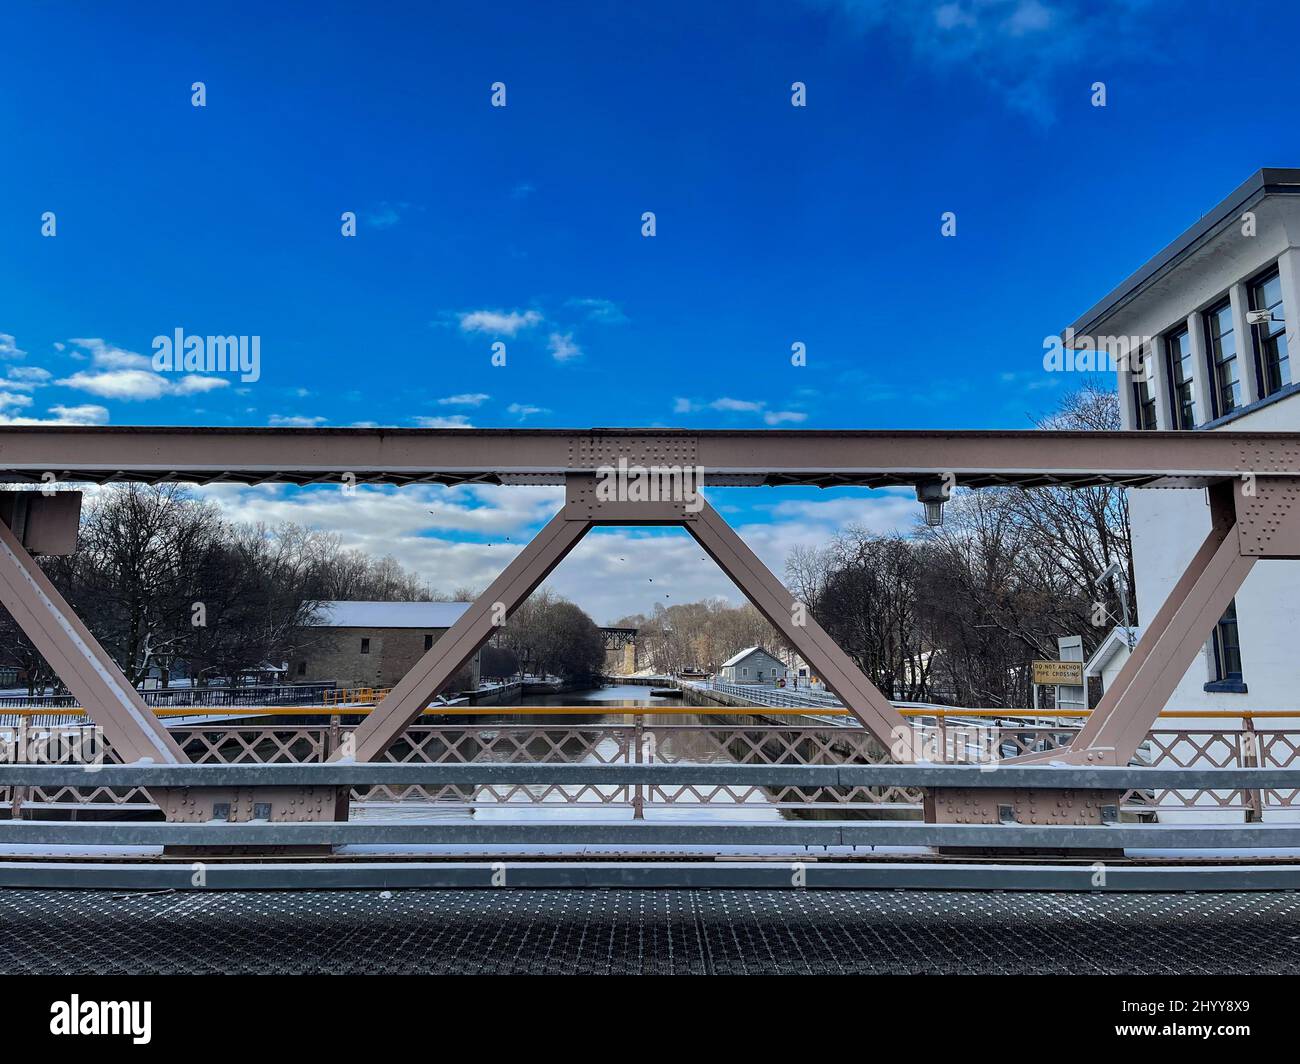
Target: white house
[(752, 665), (1206, 329)]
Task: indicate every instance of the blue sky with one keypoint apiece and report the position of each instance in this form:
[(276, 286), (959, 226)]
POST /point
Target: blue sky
[(522, 224)]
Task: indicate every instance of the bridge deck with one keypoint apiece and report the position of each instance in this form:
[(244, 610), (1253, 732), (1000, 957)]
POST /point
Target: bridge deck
[(641, 931)]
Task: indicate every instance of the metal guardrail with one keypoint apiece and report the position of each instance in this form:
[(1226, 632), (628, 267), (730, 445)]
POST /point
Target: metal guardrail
[(477, 853), (635, 834), (166, 697), (641, 739), (764, 695), (796, 834), (345, 774), (659, 874)]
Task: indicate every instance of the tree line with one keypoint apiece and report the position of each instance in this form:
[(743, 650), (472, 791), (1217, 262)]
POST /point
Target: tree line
[(546, 636), (956, 613), (697, 635)]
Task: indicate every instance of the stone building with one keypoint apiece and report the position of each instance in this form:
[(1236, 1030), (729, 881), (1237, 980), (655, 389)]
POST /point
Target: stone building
[(374, 644)]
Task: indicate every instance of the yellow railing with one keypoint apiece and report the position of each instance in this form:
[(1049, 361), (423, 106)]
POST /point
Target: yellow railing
[(346, 707), (355, 694)]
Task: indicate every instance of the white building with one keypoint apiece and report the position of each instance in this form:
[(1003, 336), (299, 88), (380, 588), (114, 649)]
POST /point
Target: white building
[(1196, 361), (752, 665), (1200, 365)]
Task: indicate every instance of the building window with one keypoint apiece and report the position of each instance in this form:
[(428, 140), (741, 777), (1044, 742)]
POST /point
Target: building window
[(1144, 394), (1227, 647), (1271, 356), (428, 642), (365, 646), (1178, 356), (302, 668), (1224, 370)]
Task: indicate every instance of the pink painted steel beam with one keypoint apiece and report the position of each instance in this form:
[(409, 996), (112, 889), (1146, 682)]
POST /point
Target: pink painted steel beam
[(130, 726), (1168, 647), (1179, 459), (462, 640), (792, 619)]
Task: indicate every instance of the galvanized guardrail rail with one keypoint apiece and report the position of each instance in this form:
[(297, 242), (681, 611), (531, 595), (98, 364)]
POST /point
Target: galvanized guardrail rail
[(483, 852)]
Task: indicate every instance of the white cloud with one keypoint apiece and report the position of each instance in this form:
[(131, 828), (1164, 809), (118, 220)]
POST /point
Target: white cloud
[(613, 572), (730, 405), (882, 512), (385, 215), (562, 347), (137, 384), (27, 378), (88, 414), (108, 356), (523, 410), (738, 405), (498, 322), (297, 421), (465, 399), (9, 348), (1018, 48), (415, 524), (127, 375), (454, 421), (779, 417), (9, 399), (604, 311)]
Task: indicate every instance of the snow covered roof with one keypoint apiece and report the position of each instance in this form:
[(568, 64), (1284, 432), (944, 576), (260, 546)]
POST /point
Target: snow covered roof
[(737, 658), (344, 614)]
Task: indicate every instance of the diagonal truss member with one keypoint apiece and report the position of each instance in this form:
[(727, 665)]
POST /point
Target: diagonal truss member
[(95, 680), (1252, 518)]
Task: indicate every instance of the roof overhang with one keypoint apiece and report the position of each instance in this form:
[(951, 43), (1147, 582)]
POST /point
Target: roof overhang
[(1220, 218)]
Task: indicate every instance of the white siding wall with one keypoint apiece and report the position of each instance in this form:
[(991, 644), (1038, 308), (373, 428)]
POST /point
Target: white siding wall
[(1169, 525)]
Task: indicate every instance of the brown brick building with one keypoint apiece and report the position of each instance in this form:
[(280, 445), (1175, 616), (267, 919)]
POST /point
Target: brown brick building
[(374, 644)]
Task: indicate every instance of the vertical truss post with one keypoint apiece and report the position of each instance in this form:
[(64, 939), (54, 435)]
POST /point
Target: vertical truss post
[(94, 679), (407, 700)]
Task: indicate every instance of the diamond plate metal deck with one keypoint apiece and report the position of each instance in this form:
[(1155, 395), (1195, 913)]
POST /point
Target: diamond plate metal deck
[(646, 932)]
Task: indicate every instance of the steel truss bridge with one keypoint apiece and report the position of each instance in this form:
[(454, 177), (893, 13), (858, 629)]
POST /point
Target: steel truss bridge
[(1040, 819)]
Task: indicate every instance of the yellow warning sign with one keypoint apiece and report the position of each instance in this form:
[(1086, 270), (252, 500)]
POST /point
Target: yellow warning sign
[(1064, 673)]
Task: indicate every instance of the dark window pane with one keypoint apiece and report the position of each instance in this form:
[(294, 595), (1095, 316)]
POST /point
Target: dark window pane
[(1178, 350), (1270, 337), (1227, 646), (1144, 406), (1223, 359)]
